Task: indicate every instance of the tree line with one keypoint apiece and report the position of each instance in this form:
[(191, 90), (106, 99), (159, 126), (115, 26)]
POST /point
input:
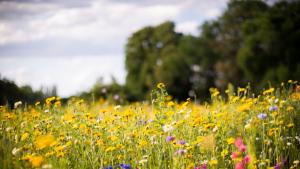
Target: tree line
[(251, 41), (11, 93)]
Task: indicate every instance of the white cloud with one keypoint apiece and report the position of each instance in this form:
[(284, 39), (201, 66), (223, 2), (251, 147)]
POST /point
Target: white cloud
[(100, 21), (189, 27), (207, 9), (71, 75), (47, 31)]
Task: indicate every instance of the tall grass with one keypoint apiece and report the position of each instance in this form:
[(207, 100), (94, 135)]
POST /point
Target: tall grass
[(241, 131)]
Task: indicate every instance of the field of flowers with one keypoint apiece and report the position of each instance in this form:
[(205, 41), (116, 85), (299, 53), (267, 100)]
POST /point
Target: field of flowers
[(238, 131)]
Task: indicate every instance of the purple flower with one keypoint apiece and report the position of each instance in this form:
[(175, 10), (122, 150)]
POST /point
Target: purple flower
[(125, 166), (170, 138), (280, 165), (262, 116), (204, 166), (277, 166), (273, 108), (116, 97), (181, 142)]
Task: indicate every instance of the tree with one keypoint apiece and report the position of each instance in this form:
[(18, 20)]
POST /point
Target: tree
[(11, 93), (270, 52), (151, 57), (225, 37)]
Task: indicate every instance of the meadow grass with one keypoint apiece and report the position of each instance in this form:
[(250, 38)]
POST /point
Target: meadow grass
[(238, 131)]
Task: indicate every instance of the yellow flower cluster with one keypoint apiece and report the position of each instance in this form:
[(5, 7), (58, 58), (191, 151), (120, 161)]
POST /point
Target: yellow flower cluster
[(169, 135)]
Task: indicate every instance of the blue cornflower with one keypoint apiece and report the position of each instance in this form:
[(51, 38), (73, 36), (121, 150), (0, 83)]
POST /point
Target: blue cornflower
[(125, 166), (273, 108), (262, 116), (181, 142), (170, 138)]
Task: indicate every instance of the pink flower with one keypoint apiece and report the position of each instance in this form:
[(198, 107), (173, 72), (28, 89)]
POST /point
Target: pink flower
[(242, 148), (239, 166), (234, 155), (240, 145), (181, 152), (238, 142), (246, 159)]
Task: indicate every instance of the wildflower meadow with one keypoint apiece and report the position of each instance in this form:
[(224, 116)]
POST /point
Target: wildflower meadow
[(237, 129)]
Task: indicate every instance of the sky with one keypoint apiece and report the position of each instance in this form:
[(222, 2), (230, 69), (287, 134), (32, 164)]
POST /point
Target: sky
[(72, 43)]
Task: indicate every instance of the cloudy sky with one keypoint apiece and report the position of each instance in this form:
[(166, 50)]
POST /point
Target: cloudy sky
[(71, 43)]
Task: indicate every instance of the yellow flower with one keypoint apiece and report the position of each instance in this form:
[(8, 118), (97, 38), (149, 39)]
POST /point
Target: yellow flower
[(268, 91), (214, 92), (190, 166), (213, 162), (230, 140), (224, 153), (49, 100), (171, 103), (68, 117), (244, 107), (290, 125), (24, 136), (36, 161), (60, 154), (240, 90), (44, 141), (170, 113), (289, 108), (111, 148), (49, 153), (59, 148), (99, 142), (113, 138), (160, 86), (142, 143)]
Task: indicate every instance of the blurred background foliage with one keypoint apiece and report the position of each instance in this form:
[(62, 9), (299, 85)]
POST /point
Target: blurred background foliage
[(252, 41), (11, 93)]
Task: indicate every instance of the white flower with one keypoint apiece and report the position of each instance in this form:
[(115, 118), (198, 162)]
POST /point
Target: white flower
[(46, 166), (247, 126), (117, 107), (152, 138), (17, 104), (215, 129), (8, 129), (167, 128), (297, 138), (143, 161), (15, 151)]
